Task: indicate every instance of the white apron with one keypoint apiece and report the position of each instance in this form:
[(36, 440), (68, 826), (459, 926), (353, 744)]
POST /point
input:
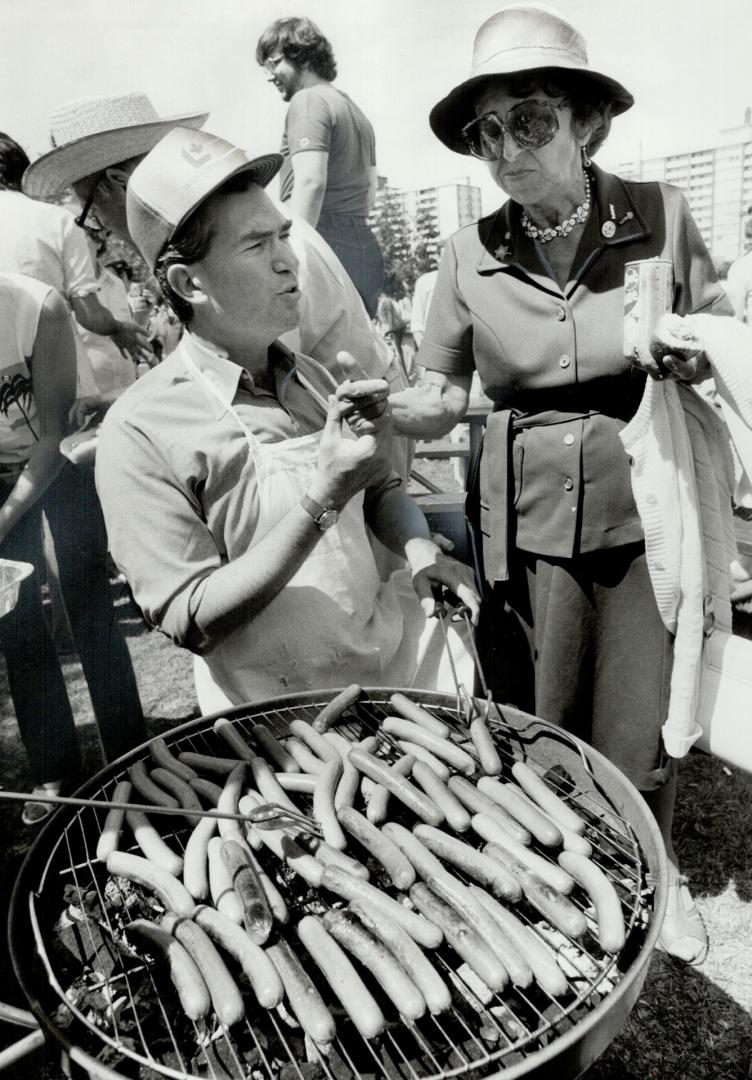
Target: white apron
[(334, 622)]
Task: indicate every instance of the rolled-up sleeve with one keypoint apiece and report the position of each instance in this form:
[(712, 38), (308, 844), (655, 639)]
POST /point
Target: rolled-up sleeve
[(447, 344), (157, 534)]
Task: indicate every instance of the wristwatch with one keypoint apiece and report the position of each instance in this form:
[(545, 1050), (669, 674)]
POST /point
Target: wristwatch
[(324, 516)]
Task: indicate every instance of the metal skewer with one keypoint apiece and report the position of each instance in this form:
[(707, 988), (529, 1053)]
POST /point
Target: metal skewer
[(105, 804)]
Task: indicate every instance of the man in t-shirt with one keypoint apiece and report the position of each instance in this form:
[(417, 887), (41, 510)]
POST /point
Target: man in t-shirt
[(329, 171)]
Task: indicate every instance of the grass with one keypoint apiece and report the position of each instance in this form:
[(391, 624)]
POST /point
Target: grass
[(688, 1024)]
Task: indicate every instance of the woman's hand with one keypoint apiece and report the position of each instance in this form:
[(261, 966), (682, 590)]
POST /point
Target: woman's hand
[(431, 567), (676, 351)]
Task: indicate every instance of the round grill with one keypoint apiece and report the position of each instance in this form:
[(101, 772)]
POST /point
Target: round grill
[(114, 1013)]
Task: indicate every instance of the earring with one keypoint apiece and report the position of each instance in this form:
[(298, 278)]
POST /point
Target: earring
[(585, 158)]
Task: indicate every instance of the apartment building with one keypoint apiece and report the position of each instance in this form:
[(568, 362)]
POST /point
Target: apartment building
[(717, 182)]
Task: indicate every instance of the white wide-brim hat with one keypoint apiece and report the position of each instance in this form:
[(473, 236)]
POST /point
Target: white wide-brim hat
[(90, 134), (181, 172), (521, 37)]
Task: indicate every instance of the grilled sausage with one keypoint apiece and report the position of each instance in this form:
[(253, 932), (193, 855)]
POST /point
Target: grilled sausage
[(548, 800), (109, 838), (207, 762), (397, 866), (297, 782), (196, 858), (377, 803), (409, 710), (485, 747), (462, 938), (272, 749), (303, 998), (512, 799), (306, 760), (221, 890), (546, 971), (165, 758), (455, 813), (443, 748), (490, 873), (268, 786), (502, 845), (323, 803), (228, 801), (612, 933), (208, 789), (420, 752), (560, 911), (151, 843), (571, 841), (171, 892), (150, 790), (388, 972), (355, 889), (344, 980), (313, 740), (246, 881), (475, 800), (234, 739), (347, 788), (336, 708), (258, 968), (183, 970), (225, 996), (397, 785), (178, 787), (409, 954)]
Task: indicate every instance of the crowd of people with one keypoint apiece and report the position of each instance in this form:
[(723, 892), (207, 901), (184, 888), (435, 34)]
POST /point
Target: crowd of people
[(233, 427)]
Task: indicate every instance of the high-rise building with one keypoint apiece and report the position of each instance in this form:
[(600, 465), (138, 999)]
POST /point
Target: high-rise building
[(445, 208), (717, 183)]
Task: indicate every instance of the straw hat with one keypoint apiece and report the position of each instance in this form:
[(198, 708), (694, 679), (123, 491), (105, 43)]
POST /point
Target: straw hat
[(521, 37), (90, 134), (172, 181)]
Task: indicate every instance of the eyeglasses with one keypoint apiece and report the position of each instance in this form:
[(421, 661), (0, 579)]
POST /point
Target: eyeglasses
[(272, 63), (531, 124), (86, 219)]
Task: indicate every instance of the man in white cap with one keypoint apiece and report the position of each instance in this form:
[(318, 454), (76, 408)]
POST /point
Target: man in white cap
[(237, 504), (98, 142)]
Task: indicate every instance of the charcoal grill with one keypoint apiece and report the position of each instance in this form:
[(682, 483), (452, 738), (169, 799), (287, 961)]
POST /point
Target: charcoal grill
[(113, 1015)]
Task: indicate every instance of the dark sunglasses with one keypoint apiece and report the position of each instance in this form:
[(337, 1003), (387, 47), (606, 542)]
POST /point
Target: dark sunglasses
[(531, 124)]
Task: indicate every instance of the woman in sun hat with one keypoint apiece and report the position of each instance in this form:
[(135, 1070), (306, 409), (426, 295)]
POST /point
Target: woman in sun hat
[(531, 298)]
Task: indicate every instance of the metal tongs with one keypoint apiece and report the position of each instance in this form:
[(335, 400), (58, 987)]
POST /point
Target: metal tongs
[(276, 816), (448, 606)]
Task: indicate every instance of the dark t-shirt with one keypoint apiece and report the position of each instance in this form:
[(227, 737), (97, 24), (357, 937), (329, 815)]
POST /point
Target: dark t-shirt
[(323, 118)]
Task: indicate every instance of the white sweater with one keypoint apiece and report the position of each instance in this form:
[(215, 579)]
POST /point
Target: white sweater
[(682, 480)]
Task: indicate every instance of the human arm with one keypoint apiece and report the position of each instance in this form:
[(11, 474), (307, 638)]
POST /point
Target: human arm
[(130, 338), (310, 169), (396, 520), (53, 377), (158, 517)]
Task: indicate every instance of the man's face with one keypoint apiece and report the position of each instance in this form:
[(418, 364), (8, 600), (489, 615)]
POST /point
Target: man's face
[(249, 274), (108, 202), (285, 75)]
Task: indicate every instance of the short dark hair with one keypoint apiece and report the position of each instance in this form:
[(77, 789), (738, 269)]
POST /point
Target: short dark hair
[(192, 241), (14, 161), (300, 41), (588, 106)]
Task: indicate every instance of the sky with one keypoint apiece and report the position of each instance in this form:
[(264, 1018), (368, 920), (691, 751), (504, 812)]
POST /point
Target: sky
[(687, 63)]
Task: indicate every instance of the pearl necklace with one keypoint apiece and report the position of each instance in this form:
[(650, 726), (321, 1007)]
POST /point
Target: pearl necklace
[(564, 229)]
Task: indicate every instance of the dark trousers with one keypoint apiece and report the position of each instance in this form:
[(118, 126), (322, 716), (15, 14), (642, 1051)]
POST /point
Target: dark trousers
[(597, 655), (36, 683), (359, 252)]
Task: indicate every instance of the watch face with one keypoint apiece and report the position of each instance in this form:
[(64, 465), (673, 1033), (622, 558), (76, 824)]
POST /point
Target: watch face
[(327, 519)]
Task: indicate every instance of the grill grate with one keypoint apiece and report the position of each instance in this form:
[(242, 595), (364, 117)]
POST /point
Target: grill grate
[(124, 1006)]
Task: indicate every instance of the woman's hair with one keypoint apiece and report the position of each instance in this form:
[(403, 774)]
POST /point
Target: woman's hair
[(14, 161), (300, 41), (588, 107), (192, 241)]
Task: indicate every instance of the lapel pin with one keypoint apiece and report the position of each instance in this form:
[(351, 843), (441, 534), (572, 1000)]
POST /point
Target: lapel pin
[(608, 229)]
